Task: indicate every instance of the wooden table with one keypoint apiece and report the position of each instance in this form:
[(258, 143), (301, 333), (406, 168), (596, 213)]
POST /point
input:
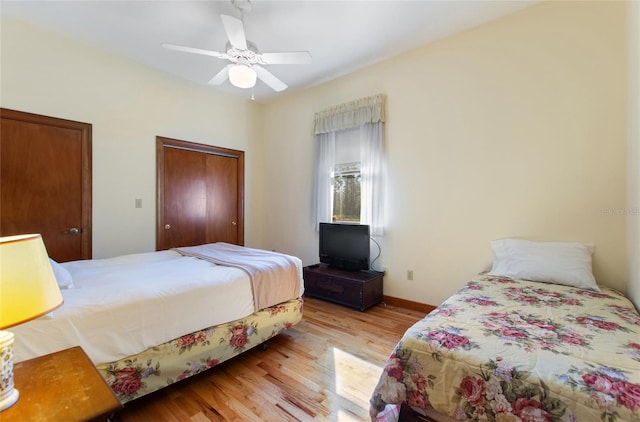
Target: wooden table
[(61, 386)]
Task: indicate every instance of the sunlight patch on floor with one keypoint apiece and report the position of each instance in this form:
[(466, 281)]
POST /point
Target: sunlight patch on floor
[(355, 379)]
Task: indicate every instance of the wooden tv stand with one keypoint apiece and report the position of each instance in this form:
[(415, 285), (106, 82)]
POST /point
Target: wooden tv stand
[(356, 289)]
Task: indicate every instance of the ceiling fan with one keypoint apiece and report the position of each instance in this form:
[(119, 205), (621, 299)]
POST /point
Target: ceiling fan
[(246, 60)]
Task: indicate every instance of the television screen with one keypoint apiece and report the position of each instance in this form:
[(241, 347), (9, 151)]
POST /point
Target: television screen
[(345, 246)]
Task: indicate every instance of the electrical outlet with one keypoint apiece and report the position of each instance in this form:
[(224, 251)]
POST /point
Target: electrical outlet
[(410, 275)]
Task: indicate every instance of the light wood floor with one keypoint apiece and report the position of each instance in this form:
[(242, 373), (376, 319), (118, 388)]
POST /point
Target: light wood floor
[(324, 368)]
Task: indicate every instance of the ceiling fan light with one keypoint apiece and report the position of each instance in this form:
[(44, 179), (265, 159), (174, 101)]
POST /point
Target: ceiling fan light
[(242, 76)]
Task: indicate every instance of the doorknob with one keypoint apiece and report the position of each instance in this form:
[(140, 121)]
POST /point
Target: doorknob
[(72, 230), (167, 226), (234, 223)]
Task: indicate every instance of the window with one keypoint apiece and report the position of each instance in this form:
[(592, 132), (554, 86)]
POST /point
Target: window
[(349, 176), (346, 193), (346, 177)]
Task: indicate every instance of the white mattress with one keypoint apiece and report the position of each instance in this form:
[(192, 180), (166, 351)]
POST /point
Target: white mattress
[(119, 307)]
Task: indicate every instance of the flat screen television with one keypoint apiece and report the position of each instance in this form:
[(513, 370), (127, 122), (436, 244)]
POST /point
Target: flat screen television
[(345, 246)]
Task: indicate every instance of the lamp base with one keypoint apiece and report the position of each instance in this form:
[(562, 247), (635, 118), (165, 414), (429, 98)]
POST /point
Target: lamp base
[(9, 400), (8, 394)]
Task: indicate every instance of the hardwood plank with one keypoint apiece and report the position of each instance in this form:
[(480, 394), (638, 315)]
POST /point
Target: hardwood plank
[(324, 368)]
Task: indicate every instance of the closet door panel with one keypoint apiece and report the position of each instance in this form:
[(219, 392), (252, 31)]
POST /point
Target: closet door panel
[(185, 198), (222, 199)]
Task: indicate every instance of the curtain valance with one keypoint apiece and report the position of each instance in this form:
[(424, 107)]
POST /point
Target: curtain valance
[(351, 114)]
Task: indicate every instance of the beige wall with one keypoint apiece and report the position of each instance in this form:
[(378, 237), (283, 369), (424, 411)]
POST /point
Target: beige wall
[(514, 128), (128, 106)]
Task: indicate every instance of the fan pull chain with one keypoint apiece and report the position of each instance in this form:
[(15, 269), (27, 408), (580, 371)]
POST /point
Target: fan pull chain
[(253, 98)]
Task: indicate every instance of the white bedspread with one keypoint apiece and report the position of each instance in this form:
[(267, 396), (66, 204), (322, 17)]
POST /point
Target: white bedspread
[(124, 305)]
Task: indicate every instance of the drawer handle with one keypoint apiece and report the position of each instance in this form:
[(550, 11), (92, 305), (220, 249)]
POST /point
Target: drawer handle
[(331, 287)]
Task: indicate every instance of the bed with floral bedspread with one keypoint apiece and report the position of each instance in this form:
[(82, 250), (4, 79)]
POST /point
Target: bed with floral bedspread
[(173, 361), (505, 349)]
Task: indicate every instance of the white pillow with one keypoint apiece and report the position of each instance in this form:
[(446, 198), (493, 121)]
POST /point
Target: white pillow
[(65, 281), (549, 262)]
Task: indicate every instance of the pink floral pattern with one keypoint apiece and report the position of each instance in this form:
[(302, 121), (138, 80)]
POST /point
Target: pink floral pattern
[(626, 313), (450, 338), (538, 296), (445, 310), (609, 387), (495, 394), (185, 343), (238, 335), (504, 280), (193, 353), (531, 332), (632, 350), (594, 322), (481, 301), (513, 350)]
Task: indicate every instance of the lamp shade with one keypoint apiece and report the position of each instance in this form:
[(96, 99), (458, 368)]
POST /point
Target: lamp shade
[(28, 287), (242, 75)]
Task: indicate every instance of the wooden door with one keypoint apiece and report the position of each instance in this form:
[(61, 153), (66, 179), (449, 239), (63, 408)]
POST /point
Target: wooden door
[(45, 182), (200, 194)]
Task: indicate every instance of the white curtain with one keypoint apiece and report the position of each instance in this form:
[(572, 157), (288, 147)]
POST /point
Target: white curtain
[(323, 192), (368, 114), (372, 172)]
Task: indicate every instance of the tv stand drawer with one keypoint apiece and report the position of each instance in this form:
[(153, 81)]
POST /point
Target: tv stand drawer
[(356, 289)]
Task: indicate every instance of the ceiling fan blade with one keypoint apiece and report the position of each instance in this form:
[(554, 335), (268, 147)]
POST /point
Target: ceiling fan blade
[(292, 57), (195, 50), (268, 78), (235, 31), (221, 76)]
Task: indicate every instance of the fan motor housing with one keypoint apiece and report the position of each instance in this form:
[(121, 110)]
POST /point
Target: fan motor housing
[(250, 54), (244, 6)]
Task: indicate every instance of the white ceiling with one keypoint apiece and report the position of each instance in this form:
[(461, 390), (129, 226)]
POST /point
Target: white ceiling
[(342, 36)]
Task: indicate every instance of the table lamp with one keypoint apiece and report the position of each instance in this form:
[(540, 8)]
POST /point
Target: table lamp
[(28, 289)]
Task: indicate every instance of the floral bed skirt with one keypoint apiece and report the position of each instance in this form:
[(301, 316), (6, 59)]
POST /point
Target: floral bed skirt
[(162, 365)]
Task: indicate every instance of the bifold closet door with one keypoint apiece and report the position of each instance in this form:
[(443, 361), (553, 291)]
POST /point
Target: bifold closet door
[(200, 194)]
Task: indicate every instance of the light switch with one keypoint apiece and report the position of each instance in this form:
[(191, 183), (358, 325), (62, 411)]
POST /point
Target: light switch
[(138, 203)]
